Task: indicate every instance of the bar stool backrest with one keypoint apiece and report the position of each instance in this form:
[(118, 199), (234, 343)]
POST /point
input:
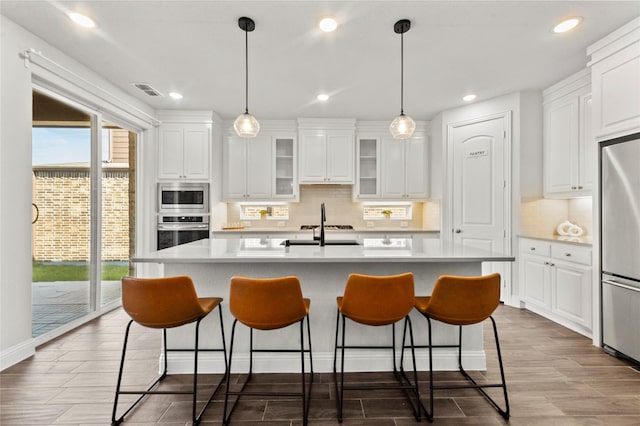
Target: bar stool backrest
[(161, 302), (378, 300), (464, 300), (266, 303)]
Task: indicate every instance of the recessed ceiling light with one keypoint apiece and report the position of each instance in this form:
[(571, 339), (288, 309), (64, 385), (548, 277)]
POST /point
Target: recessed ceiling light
[(469, 97), (175, 95), (323, 97), (567, 24), (328, 24), (82, 20)]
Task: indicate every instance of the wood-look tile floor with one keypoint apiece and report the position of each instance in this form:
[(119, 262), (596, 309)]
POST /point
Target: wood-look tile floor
[(554, 377)]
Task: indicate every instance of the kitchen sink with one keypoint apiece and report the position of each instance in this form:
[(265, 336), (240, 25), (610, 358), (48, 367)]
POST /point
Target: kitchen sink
[(288, 243)]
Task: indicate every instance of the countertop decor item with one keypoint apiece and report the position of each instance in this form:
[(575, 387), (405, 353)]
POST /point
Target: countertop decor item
[(563, 228), (567, 228)]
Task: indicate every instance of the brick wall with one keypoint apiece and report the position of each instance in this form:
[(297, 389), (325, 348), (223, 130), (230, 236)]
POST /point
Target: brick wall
[(62, 231)]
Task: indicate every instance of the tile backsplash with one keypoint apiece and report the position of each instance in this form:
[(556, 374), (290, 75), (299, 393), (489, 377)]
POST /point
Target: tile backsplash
[(541, 217), (341, 210)]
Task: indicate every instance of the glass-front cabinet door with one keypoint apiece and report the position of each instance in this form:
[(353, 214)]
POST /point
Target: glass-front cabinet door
[(284, 167), (368, 173)]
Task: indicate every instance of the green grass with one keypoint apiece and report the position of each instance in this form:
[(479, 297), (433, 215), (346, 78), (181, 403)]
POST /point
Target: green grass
[(50, 272)]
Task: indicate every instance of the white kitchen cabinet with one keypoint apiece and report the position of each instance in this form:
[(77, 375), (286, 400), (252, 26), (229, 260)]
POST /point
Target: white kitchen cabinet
[(556, 282), (367, 168), (260, 169), (404, 171), (284, 166), (569, 146), (247, 168), (326, 156), (183, 151), (615, 76)]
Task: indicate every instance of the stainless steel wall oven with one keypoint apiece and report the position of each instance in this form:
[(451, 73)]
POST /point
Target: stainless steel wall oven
[(176, 230)]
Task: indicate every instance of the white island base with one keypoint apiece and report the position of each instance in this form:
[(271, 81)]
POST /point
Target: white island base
[(322, 272)]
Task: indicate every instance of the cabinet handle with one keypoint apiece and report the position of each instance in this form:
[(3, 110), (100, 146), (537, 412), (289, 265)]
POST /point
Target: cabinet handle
[(546, 263), (567, 254), (458, 231), (579, 187), (532, 248), (574, 188), (552, 264)]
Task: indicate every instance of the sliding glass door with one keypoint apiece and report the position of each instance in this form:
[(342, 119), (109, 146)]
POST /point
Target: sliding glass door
[(82, 212)]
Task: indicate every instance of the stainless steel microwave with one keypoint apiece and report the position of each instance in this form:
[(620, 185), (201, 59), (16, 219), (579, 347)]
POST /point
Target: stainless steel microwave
[(183, 198)]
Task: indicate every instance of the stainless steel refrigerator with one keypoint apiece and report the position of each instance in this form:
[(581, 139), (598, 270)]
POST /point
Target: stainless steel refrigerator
[(620, 245)]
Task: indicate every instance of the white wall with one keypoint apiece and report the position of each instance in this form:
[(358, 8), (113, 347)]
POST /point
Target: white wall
[(15, 180), (15, 197)]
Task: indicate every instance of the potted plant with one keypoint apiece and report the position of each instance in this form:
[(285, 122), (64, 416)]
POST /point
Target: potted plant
[(386, 213), (263, 213)]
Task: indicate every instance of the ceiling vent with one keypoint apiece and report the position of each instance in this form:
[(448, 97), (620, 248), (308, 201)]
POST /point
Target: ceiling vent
[(146, 88)]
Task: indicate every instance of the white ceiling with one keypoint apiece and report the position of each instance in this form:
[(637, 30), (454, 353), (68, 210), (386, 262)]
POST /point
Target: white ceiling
[(453, 48)]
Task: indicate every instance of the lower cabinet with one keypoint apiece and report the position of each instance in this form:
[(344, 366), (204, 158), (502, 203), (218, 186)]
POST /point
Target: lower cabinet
[(556, 282)]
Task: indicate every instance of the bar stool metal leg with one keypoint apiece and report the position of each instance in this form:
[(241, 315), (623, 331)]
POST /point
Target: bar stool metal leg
[(196, 418)]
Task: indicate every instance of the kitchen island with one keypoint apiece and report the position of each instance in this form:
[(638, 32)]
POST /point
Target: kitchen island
[(323, 272)]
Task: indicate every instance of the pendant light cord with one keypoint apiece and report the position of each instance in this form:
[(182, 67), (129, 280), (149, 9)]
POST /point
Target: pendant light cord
[(246, 72), (402, 74)]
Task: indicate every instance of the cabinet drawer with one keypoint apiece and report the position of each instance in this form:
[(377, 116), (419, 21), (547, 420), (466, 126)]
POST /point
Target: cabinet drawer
[(540, 248), (571, 253)]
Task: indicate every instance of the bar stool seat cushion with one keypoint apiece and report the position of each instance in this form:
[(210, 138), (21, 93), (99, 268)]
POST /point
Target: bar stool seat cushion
[(458, 303), (177, 304), (362, 303), (247, 294)]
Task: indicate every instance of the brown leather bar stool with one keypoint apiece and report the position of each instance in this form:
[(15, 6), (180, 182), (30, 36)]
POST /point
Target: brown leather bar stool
[(166, 303), (463, 301), (269, 304), (376, 301)]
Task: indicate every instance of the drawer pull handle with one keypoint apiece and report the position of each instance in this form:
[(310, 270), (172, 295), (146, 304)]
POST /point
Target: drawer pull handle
[(567, 254), (532, 249)]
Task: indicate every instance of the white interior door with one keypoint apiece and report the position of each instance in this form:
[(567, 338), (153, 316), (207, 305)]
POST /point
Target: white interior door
[(479, 188)]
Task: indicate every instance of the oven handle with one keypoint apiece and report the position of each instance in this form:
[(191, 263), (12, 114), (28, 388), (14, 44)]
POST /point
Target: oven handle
[(182, 227)]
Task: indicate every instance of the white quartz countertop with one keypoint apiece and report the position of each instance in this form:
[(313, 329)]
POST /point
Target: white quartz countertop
[(297, 230), (266, 250), (580, 241)]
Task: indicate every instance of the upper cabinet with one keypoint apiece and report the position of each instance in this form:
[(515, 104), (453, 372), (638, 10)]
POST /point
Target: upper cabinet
[(388, 168), (183, 150), (367, 167), (247, 169), (404, 171), (569, 146), (326, 151), (284, 166), (263, 168), (615, 76)]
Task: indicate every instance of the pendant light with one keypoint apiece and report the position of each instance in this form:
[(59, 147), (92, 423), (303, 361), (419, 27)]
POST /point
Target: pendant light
[(246, 125), (402, 126)]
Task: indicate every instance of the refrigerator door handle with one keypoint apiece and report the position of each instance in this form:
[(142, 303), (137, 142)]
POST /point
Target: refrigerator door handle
[(617, 284)]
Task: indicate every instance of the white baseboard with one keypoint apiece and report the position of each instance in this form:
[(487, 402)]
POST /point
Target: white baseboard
[(362, 361), (17, 353)]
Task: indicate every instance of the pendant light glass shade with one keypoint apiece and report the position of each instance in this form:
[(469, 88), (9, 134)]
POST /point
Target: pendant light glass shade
[(402, 127), (246, 126)]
